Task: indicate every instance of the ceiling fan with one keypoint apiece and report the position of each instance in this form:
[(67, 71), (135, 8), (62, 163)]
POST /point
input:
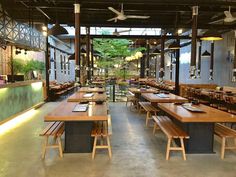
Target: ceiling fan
[(229, 18), (117, 33), (122, 16)]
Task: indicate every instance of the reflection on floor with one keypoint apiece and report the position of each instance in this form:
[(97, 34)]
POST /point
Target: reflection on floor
[(136, 153)]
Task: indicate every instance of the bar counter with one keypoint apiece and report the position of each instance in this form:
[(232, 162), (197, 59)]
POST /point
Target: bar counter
[(18, 97)]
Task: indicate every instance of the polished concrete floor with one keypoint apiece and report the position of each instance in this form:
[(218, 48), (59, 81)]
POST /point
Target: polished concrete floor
[(136, 153)]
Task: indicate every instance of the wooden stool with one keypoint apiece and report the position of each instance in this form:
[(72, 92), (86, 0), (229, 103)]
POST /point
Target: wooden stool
[(149, 108), (225, 133), (172, 131), (102, 130), (54, 129)]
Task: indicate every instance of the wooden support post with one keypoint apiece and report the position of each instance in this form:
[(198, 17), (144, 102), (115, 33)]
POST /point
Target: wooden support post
[(212, 61), (47, 60), (171, 65), (142, 66), (77, 42), (177, 54), (147, 59), (162, 65), (88, 53), (92, 60)]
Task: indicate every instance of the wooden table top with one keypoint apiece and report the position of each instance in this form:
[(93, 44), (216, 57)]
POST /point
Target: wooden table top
[(209, 115), (154, 98), (64, 112), (89, 89), (98, 82), (142, 90), (79, 96)]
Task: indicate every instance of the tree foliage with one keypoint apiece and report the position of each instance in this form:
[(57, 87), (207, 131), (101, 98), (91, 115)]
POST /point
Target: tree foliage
[(113, 51)]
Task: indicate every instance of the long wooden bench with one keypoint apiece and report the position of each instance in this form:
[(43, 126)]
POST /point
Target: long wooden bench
[(172, 131), (102, 130), (53, 129), (225, 133), (149, 108)]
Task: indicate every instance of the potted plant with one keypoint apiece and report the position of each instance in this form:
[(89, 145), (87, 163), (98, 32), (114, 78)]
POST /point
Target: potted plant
[(33, 66)]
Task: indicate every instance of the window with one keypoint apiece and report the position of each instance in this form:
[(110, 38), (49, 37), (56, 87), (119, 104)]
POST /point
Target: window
[(55, 64), (61, 61), (64, 64)]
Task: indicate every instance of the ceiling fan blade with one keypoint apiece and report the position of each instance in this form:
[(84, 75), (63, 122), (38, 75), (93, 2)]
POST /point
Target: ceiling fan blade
[(229, 20), (137, 16), (124, 31), (228, 14), (217, 21), (114, 10), (116, 34), (112, 19)]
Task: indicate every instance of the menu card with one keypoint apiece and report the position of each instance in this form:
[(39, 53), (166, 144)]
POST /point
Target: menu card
[(80, 108), (162, 95), (88, 95), (189, 107)]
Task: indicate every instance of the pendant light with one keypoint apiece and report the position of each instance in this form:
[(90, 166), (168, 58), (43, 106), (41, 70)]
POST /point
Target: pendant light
[(212, 61), (174, 46), (57, 29), (206, 54), (83, 51), (72, 57), (194, 43), (211, 35), (199, 60), (156, 51)]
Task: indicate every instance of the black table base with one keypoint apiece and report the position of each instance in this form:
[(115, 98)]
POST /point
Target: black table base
[(201, 137), (78, 137)]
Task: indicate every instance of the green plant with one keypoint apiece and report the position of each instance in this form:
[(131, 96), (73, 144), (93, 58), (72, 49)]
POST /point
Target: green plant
[(114, 51), (33, 65), (121, 73), (17, 65)]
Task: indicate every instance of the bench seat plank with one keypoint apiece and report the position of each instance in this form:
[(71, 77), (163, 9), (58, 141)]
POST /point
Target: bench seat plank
[(147, 106), (172, 131), (102, 130), (225, 133), (54, 129), (45, 130)]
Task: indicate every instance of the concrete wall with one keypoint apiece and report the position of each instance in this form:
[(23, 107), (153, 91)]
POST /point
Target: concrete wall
[(58, 73), (223, 63)]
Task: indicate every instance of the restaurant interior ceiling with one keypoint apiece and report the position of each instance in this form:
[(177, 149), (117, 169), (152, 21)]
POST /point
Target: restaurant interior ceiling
[(162, 13)]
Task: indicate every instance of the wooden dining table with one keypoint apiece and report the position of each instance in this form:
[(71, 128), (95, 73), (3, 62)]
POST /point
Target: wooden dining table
[(78, 125), (92, 89), (163, 98), (138, 91), (199, 125), (142, 90), (81, 96)]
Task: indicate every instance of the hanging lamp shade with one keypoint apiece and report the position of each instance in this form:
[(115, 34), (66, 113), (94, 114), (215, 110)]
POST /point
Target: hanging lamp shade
[(96, 54), (156, 51), (211, 35), (174, 46), (82, 50), (206, 54), (57, 29), (71, 57)]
